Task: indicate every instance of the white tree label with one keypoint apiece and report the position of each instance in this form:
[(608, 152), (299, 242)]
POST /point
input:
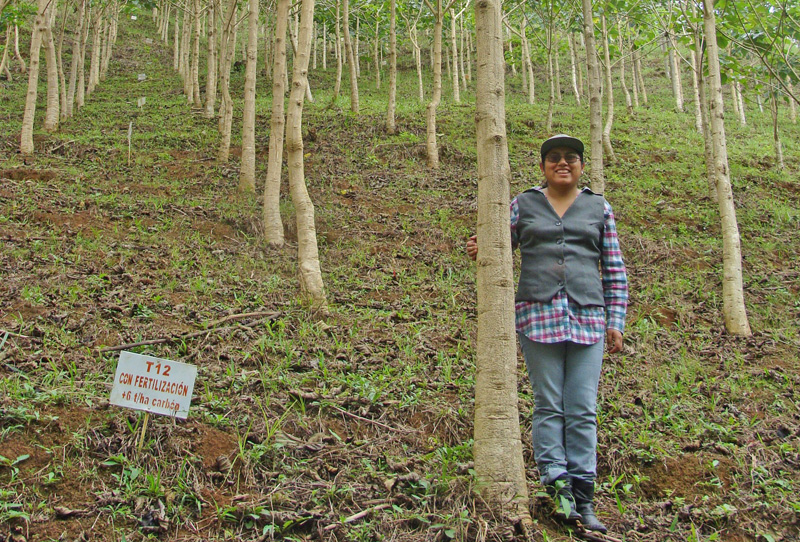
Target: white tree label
[(153, 385), (141, 77), (142, 101)]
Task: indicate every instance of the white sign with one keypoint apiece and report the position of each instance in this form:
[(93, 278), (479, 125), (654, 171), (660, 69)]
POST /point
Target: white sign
[(133, 17), (141, 76), (148, 41), (142, 101), (154, 385)]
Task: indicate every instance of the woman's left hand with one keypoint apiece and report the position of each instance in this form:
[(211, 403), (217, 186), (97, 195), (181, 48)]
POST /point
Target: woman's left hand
[(613, 341)]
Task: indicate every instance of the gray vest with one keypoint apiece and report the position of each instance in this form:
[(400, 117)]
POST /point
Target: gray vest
[(560, 253)]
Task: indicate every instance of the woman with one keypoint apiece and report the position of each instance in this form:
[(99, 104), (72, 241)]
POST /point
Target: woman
[(572, 293)]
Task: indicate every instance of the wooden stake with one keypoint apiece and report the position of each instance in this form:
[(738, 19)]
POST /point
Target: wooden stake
[(144, 430)]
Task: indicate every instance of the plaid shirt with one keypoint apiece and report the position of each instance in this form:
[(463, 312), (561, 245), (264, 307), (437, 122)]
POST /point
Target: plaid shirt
[(561, 319)]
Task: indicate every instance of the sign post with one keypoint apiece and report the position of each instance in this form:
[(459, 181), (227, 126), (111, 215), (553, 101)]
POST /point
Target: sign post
[(153, 385)]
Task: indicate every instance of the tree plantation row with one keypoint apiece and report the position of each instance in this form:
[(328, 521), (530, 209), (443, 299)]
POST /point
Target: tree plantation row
[(756, 45)]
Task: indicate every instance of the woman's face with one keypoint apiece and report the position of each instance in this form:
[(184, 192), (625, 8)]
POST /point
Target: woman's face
[(562, 166)]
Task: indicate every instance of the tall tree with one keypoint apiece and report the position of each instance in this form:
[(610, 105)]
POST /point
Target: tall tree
[(391, 127), (351, 59), (499, 465), (308, 265), (734, 311), (595, 107), (39, 29), (273, 226), (247, 173)]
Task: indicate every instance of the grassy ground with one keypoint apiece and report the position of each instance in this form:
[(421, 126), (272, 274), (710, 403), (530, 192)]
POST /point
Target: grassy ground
[(297, 426)]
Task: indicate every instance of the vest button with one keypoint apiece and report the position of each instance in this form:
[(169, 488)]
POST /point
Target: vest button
[(560, 262), (559, 241), (558, 223)]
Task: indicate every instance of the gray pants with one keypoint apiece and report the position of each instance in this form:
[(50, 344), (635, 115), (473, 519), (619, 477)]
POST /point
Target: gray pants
[(564, 377)]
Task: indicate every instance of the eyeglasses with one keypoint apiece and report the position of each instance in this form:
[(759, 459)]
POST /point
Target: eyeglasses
[(555, 157)]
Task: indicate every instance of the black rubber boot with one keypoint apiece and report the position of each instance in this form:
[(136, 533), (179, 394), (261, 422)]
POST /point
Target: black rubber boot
[(583, 491), (560, 490)]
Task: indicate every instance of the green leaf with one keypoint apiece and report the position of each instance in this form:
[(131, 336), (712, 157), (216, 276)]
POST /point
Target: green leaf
[(722, 40)]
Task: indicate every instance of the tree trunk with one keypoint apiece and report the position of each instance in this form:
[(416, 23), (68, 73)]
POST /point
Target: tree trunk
[(456, 90), (39, 29), (608, 149), (176, 50), (211, 61), (376, 57), (740, 102), (273, 227), (247, 173), (640, 78), (418, 61), (431, 147), (698, 113), (22, 68), (461, 53), (351, 62), (775, 137), (52, 112), (62, 80), (675, 72), (595, 107), (623, 82), (551, 102), (497, 449), (196, 101), (80, 91), (574, 68), (526, 52), (792, 105), (324, 46), (733, 308), (557, 67), (307, 251), (5, 62), (338, 53), (94, 65), (226, 107), (391, 127)]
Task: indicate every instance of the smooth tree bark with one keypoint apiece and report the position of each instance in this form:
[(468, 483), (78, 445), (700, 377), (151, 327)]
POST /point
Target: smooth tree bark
[(309, 271), (52, 112), (608, 89), (273, 226), (62, 80), (226, 107), (211, 61), (711, 174), (5, 62), (637, 62), (623, 82), (22, 68), (497, 449), (247, 173), (431, 147), (574, 68), (595, 106), (391, 126), (675, 72), (351, 60), (37, 36), (80, 91), (338, 53), (196, 100), (454, 47), (176, 43), (94, 64), (776, 140), (376, 53), (733, 307), (698, 112)]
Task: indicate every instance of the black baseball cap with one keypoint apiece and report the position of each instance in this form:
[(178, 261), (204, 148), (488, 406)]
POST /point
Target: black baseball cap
[(562, 140)]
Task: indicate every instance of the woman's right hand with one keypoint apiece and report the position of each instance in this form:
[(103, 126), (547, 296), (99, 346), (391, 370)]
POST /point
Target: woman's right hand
[(472, 247)]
